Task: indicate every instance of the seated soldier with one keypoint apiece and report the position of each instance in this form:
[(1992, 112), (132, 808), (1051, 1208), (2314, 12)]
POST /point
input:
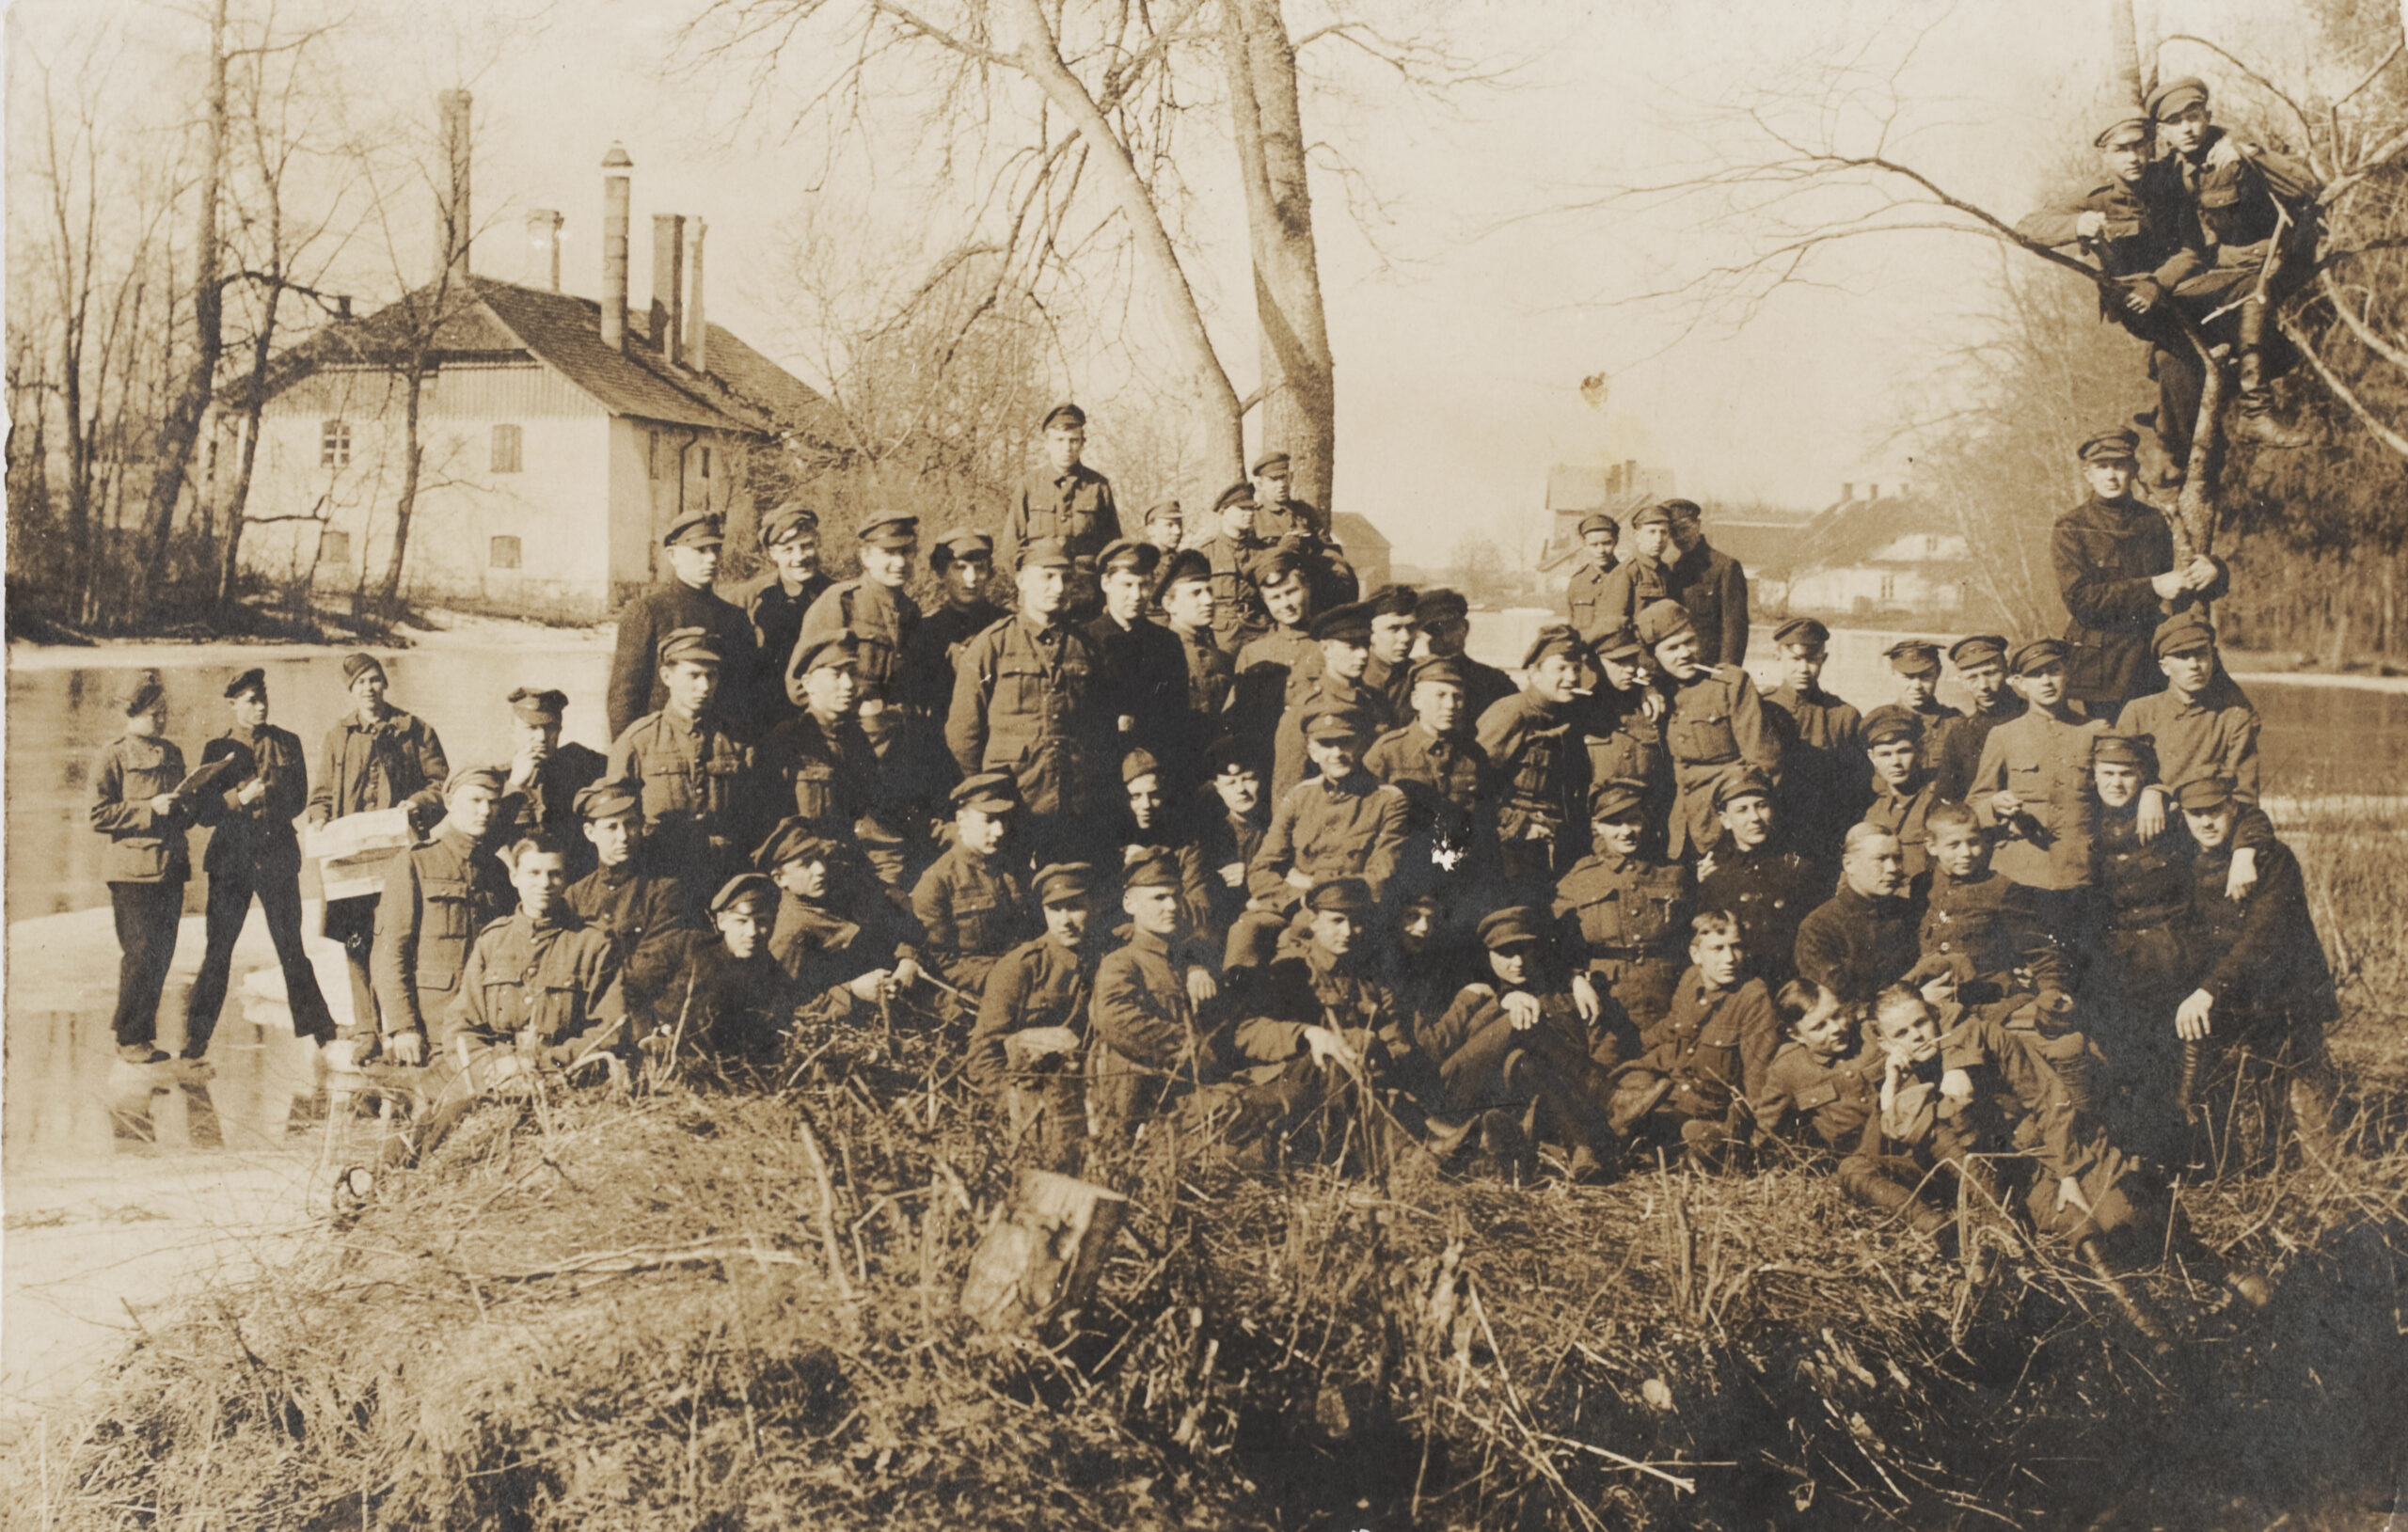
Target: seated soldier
[(2201, 725), (1148, 1052), (1500, 1066), (1344, 636), (1979, 930), (628, 897), (1713, 720), (1533, 744), (2142, 957), (1450, 792), (1422, 960), (1705, 1059), (826, 935), (437, 897), (1904, 789), (545, 776), (2265, 994), (1148, 827), (1757, 874), (970, 903), (819, 756), (1044, 985), (1917, 664), (1863, 939), (1626, 911), (1231, 827), (1822, 744), (693, 775), (1340, 823)]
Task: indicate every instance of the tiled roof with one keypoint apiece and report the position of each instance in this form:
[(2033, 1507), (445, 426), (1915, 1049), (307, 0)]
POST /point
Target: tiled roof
[(1356, 532)]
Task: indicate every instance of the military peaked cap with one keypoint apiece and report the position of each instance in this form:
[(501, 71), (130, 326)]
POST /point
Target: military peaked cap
[(2182, 632), (254, 679), (1554, 638), (1151, 867), (1350, 624), (1977, 649), (1269, 463), (1235, 495), (1622, 645), (528, 705), (1662, 621), (959, 544), (2123, 749), (2201, 794), (2039, 654), (837, 651), (1741, 781), (690, 645), (787, 521), (1059, 882), (1649, 516), (1070, 414), (1617, 798), (792, 841), (1447, 670), (890, 529), (2124, 129), (1130, 553), (1348, 896), (1186, 565), (357, 665), (1161, 510), (1226, 754), (1890, 722), (1597, 521), (2116, 444), (608, 799), (1804, 631), (989, 792), (1045, 553), (1914, 656), (1333, 722), (2177, 96), (695, 530), (744, 889), (1518, 925), (489, 778)]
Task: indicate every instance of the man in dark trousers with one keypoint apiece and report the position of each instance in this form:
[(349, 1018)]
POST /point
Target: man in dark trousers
[(2113, 557), (684, 600), (253, 851)]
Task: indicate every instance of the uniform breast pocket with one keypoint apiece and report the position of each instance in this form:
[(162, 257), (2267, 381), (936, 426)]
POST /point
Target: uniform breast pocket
[(556, 1010), (718, 780), (1601, 918), (975, 917), (1020, 689), (1706, 741), (503, 1004), (815, 789), (443, 935)]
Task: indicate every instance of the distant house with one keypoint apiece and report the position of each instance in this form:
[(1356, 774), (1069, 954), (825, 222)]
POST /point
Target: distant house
[(1574, 491), (1877, 553), (1367, 548), (557, 447)]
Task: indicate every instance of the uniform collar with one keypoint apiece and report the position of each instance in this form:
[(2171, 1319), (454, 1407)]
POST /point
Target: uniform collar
[(1353, 785)]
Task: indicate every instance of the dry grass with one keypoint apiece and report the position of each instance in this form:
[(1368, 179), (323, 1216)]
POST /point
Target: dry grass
[(596, 1315)]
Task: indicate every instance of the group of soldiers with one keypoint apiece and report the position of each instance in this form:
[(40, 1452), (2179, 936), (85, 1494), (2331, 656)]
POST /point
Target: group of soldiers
[(1196, 835)]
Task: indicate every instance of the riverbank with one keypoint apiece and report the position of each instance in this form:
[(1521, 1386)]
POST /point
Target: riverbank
[(442, 632)]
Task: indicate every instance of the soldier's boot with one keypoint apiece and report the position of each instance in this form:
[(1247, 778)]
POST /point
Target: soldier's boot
[(2310, 1092), (2128, 1300), (1898, 1201), (2257, 421)]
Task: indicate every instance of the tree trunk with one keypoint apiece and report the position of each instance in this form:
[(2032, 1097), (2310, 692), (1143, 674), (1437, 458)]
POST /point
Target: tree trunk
[(180, 427), (1299, 389), (2124, 50), (387, 602), (1039, 53), (230, 567)]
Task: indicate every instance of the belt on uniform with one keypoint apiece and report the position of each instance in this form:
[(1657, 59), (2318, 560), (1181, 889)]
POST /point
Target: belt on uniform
[(1625, 955)]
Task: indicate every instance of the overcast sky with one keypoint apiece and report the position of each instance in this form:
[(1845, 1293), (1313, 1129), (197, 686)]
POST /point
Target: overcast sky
[(1463, 331)]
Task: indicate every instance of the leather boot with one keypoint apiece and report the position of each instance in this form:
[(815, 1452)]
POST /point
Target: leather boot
[(2128, 1300), (2256, 422)]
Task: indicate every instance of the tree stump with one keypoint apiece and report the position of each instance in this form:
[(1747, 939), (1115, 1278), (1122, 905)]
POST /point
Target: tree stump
[(1043, 1253)]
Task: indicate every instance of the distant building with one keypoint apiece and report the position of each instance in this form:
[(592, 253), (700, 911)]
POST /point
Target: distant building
[(1574, 491), (557, 446), (1873, 554), (1367, 549)]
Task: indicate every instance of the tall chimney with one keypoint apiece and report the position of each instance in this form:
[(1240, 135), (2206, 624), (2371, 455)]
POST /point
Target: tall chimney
[(452, 220), (669, 285), (1847, 491), (543, 248), (615, 247), (698, 336)]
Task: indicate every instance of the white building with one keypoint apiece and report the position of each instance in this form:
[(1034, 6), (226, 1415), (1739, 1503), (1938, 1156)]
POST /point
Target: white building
[(1882, 553)]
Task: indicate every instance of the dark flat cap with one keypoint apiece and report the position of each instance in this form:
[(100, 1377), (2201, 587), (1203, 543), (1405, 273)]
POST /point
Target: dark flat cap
[(989, 792), (744, 889), (1151, 867), (959, 544), (695, 530), (793, 840), (2176, 97), (1350, 624), (1617, 798), (1349, 895), (1269, 463), (1333, 722), (1621, 646), (789, 520), (1059, 882), (254, 679), (1440, 605), (1228, 753), (1161, 510), (140, 691), (1914, 656), (1977, 649), (890, 529), (2123, 749), (1274, 565), (1186, 565), (1681, 510), (1447, 670), (1661, 621), (357, 665), (1518, 925), (1045, 553), (1130, 553), (1554, 638), (492, 779), (2181, 633), (2116, 444), (1741, 781), (1235, 495), (528, 705), (1064, 415), (1597, 521), (690, 645), (2039, 654), (1890, 722), (837, 651), (608, 799), (2127, 128), (2200, 793), (1806, 632)]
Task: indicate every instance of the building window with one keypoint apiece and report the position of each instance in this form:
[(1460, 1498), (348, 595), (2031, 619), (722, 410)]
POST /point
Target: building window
[(1931, 545), (706, 463), (505, 553), (506, 449), (334, 443), (334, 548), (1888, 587), (652, 453)]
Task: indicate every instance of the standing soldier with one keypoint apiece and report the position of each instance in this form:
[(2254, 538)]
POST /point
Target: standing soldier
[(1584, 592), (437, 897), (685, 600), (2202, 724), (1184, 593), (875, 608), (1956, 750), (1232, 552), (1625, 909), (1756, 872), (1542, 775), (1624, 728), (779, 601), (2113, 557), (1141, 682), (1643, 576), (1274, 656), (1449, 790), (1714, 720), (1280, 515), (376, 758), (1066, 502), (1165, 525), (694, 777), (1444, 618), (820, 756), (1394, 611), (1822, 746), (1023, 702), (964, 560), (252, 850), (545, 776), (1904, 792), (134, 804), (1709, 585), (1917, 662), (2032, 792), (628, 897), (1343, 636)]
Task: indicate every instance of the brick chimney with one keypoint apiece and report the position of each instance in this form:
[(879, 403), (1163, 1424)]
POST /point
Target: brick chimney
[(669, 285), (615, 247), (543, 248), (452, 224), (698, 338), (1847, 493)]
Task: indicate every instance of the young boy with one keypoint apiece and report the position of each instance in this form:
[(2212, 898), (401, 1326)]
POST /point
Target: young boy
[(1626, 911), (1917, 662), (1822, 743), (1904, 791), (2201, 725), (135, 805), (777, 602), (1343, 823), (971, 902), (694, 776), (2031, 791), (1706, 1059)]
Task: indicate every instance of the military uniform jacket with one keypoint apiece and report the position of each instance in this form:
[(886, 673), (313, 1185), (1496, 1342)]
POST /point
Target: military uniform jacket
[(386, 763), (2235, 237), (1484, 687), (1224, 838), (1265, 666), (1307, 986), (1146, 1047), (820, 949), (826, 767), (882, 619), (1714, 722), (1076, 507), (1991, 923), (1903, 814), (1826, 781), (1957, 753), (1276, 519), (2262, 957), (2152, 239), (553, 982), (438, 897), (1584, 598), (1211, 674), (935, 649), (1631, 911), (2045, 761), (1540, 769), (144, 847), (1629, 586), (256, 838), (1768, 889), (696, 782), (777, 622), (693, 988), (549, 802), (1632, 750), (1855, 946), (1291, 762), (1349, 828), (634, 905), (1837, 1099), (1024, 702), (1713, 588), (1142, 677), (971, 906), (1449, 788), (1037, 984), (635, 663), (2104, 557), (2212, 735), (1714, 1045), (1237, 600)]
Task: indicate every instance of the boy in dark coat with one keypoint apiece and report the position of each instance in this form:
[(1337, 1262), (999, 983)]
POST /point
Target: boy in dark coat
[(134, 804)]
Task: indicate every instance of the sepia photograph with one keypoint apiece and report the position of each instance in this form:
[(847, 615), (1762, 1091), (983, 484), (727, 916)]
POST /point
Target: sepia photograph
[(1322, 766)]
